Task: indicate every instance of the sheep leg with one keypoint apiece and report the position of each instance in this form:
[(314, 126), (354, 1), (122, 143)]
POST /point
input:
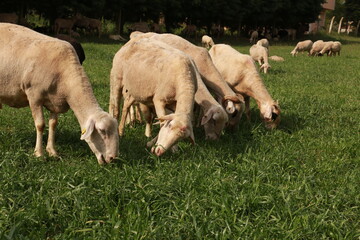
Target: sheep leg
[(38, 116), (50, 147), (146, 111), (128, 101)]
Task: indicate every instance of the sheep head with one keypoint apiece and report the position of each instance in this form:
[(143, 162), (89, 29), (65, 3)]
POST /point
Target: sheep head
[(175, 127), (265, 67), (102, 136), (270, 114), (214, 121)]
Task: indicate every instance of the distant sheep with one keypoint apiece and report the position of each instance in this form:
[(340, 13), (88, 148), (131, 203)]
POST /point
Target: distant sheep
[(303, 46), (254, 37), (240, 72), (331, 48), (207, 41), (276, 58), (261, 55), (40, 71), (152, 73), (317, 47)]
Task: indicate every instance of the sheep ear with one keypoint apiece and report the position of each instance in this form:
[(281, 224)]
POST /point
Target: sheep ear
[(206, 118), (88, 130)]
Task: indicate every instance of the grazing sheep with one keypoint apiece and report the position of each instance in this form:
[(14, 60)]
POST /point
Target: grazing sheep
[(88, 24), (260, 54), (317, 47), (336, 48), (277, 58), (41, 71), (150, 72), (240, 72), (232, 103), (326, 48), (303, 46), (76, 45), (263, 42), (9, 18), (207, 41), (254, 37)]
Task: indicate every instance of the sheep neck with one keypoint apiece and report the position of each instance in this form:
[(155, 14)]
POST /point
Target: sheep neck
[(81, 99)]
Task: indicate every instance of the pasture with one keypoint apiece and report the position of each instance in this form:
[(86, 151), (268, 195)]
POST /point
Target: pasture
[(300, 181)]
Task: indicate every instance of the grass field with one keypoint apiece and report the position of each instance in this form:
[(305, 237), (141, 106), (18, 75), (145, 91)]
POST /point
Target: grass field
[(301, 181)]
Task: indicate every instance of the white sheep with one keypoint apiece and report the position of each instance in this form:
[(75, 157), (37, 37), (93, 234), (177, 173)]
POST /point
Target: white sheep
[(261, 55), (41, 71), (240, 72), (263, 42), (303, 46), (336, 48), (317, 47), (276, 58), (150, 72), (232, 103), (207, 41), (326, 48), (331, 48), (212, 115)]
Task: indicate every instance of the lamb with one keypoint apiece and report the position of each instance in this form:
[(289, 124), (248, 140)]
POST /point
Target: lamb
[(207, 41), (263, 42), (41, 71), (303, 46), (232, 103), (260, 54), (244, 79), (317, 47), (150, 72)]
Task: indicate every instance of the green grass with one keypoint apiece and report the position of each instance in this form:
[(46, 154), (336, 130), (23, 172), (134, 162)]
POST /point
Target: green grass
[(300, 181)]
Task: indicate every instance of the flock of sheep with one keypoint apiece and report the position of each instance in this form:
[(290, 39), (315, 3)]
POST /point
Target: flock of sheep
[(164, 76)]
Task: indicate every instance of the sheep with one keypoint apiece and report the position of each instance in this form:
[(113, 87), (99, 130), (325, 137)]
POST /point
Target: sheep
[(40, 71), (263, 42), (207, 41), (232, 103), (276, 58), (213, 116), (66, 24), (317, 47), (240, 72), (326, 48), (9, 17), (254, 37), (336, 48), (150, 72), (260, 54), (88, 24), (303, 46), (76, 45)]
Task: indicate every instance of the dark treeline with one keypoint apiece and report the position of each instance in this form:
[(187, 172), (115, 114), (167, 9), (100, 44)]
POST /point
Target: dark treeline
[(204, 13)]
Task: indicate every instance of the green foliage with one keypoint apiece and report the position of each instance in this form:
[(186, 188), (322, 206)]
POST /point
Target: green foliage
[(300, 181)]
